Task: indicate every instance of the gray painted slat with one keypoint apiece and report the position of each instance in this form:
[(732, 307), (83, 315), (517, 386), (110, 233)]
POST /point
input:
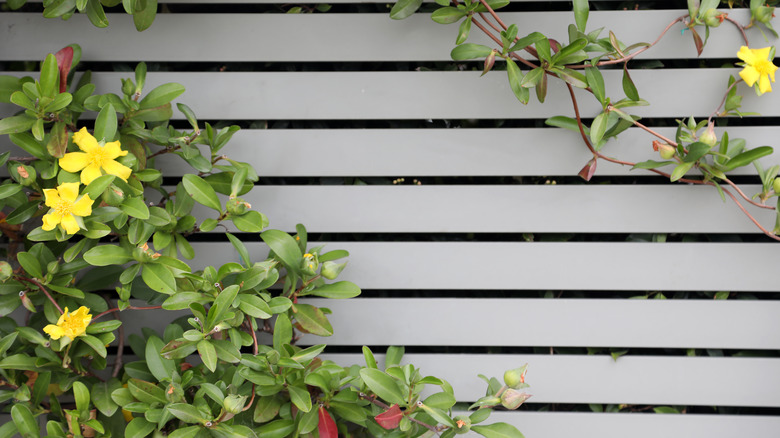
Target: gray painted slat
[(543, 265), (502, 208), (547, 322), (637, 425), (446, 152), (655, 380), (424, 95), (340, 37), (732, 324)]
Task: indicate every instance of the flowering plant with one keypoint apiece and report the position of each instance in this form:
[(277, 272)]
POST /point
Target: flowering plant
[(93, 224)]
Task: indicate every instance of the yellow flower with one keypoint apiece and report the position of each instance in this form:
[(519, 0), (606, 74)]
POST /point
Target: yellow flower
[(94, 158), (64, 207), (70, 325), (758, 67)]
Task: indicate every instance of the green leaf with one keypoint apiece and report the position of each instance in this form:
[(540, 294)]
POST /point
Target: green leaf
[(139, 428), (250, 222), (404, 8), (201, 191), (313, 320), (106, 255), (145, 17), (581, 14), (178, 349), (393, 356), (651, 164), (598, 128), (282, 331), (440, 400), (161, 368), (339, 289), (470, 51), (16, 124), (526, 41), (96, 14), (308, 354), (29, 144), (254, 306), (515, 78), (208, 354), (596, 83), (49, 76), (696, 151), (105, 124), (101, 396), (96, 344), (284, 247), (498, 430), (135, 207), (186, 432), (25, 421), (146, 392), (628, 86), (98, 186), (158, 277), (30, 264), (680, 171), (81, 396), (221, 306), (276, 429), (384, 386), (747, 157), (300, 398), (226, 351), (447, 15), (187, 413), (161, 95)]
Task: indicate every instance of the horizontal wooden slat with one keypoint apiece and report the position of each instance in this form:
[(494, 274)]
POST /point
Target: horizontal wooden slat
[(550, 322), (706, 381), (494, 209), (339, 37), (424, 95), (543, 265), (446, 152), (732, 324), (638, 425)]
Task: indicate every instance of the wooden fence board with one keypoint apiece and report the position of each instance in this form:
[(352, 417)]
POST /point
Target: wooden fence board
[(339, 37), (653, 380), (543, 266), (503, 208)]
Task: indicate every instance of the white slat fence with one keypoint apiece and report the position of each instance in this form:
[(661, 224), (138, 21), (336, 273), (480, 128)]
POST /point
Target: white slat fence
[(444, 266)]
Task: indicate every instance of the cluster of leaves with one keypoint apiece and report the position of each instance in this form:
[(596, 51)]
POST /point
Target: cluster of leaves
[(143, 11), (128, 247), (577, 65)]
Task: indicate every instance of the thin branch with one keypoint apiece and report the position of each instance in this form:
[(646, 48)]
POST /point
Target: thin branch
[(745, 197), (670, 142), (736, 201), (493, 26), (723, 102), (739, 26), (493, 14), (43, 289), (116, 309)]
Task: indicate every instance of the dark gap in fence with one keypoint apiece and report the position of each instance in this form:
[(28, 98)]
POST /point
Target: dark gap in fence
[(557, 294), (413, 179)]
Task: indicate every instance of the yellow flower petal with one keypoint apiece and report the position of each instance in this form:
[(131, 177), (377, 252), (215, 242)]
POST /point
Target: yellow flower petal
[(70, 225), (750, 75), (763, 84), (63, 316), (74, 161), (90, 173), (50, 221), (85, 141), (54, 331), (82, 207), (111, 150), (52, 197), (68, 191), (114, 168), (746, 55)]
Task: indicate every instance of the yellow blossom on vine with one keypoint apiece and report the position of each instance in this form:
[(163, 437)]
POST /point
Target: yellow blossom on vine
[(94, 158), (758, 68), (70, 325), (64, 207)]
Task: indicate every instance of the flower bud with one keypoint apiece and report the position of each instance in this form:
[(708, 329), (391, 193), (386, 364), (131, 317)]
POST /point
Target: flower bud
[(512, 398), (776, 186), (309, 264), (664, 150), (234, 403), (6, 271), (114, 196), (143, 254), (516, 377), (708, 137), (764, 14), (714, 17), (23, 174), (331, 270), (128, 87), (463, 424), (238, 206)]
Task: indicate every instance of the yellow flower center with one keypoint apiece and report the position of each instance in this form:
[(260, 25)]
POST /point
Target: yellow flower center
[(763, 67), (97, 156), (63, 208), (75, 325)]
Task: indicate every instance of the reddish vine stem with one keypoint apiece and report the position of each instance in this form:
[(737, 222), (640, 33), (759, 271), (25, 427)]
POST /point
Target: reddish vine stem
[(493, 14), (116, 309), (760, 227), (493, 26), (745, 197), (43, 289), (739, 26), (723, 102)]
